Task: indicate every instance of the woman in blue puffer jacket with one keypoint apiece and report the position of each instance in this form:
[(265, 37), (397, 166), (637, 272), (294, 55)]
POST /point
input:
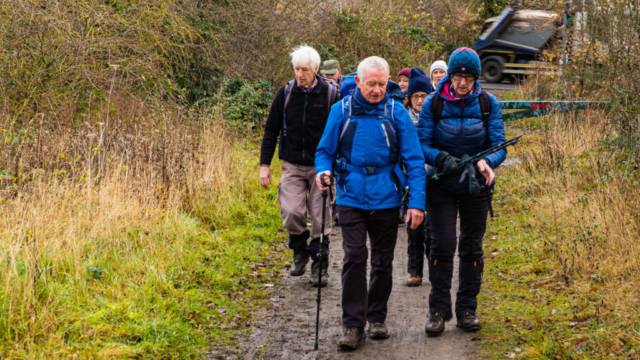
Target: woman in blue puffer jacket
[(449, 130)]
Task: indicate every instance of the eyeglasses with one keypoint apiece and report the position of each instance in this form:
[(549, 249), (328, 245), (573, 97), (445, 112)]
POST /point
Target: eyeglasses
[(417, 98), (468, 78)]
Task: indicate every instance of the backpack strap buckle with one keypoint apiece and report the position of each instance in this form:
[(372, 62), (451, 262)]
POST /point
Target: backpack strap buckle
[(371, 170)]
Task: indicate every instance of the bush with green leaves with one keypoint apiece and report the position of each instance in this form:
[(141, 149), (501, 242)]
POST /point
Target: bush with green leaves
[(244, 103)]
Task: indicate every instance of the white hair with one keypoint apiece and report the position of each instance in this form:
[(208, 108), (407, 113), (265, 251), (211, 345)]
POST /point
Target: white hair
[(375, 62), (304, 55)]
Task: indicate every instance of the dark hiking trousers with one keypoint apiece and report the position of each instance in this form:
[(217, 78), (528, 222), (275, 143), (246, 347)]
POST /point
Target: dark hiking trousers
[(444, 207), (358, 304), (419, 243)]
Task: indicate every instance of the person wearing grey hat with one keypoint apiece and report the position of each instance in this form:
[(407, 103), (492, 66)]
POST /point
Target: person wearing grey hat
[(331, 70), (437, 72)]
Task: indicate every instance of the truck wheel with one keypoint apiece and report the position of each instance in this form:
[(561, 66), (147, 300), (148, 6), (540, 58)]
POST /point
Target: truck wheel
[(492, 71)]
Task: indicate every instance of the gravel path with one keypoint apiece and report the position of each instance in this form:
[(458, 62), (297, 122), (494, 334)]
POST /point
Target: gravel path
[(287, 330)]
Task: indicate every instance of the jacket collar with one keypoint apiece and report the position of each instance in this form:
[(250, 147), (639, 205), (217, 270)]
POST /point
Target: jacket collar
[(314, 90), (359, 101)]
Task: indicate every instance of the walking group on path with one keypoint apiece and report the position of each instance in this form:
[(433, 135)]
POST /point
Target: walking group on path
[(381, 139)]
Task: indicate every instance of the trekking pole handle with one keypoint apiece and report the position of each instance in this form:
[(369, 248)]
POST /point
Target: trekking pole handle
[(324, 183)]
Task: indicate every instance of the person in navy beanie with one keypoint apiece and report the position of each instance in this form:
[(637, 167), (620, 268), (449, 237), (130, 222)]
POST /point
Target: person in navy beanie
[(459, 120), (464, 61), (419, 239)]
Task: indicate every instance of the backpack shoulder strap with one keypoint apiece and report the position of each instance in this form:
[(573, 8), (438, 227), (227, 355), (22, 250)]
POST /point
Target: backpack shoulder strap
[(287, 92), (485, 109), (437, 105), (331, 93), (287, 96)]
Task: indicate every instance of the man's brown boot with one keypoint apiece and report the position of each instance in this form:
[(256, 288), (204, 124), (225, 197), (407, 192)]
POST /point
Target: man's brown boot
[(300, 260), (468, 322), (414, 280), (378, 331), (351, 338), (435, 325)]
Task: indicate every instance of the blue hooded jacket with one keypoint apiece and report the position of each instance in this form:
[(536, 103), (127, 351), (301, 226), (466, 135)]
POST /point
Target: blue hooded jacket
[(371, 140), (463, 134)]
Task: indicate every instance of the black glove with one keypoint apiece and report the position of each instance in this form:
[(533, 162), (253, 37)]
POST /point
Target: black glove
[(470, 172), (447, 164)]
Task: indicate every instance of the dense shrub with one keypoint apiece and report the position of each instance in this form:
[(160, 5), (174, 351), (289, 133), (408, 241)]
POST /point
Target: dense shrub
[(244, 103)]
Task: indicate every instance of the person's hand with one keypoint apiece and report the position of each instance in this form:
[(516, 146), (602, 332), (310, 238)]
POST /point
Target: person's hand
[(486, 171), (415, 217), (448, 164), (327, 180), (265, 177)]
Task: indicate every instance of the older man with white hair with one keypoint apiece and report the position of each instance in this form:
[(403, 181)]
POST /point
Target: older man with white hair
[(298, 116), (367, 134)]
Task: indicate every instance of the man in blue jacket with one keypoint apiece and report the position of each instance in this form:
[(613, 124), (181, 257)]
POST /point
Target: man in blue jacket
[(365, 136), (455, 124)]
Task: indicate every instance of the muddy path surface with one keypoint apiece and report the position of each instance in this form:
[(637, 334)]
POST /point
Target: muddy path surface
[(287, 329)]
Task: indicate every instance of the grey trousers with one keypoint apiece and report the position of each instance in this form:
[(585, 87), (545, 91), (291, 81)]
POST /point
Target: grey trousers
[(297, 182)]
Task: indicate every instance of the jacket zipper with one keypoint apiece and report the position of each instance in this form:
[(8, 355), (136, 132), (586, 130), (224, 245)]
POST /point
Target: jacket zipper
[(386, 136), (461, 129), (304, 118)]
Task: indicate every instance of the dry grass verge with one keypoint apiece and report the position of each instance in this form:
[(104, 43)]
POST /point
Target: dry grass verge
[(154, 245), (564, 251)]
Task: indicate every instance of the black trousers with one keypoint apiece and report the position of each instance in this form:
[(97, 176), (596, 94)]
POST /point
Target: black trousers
[(444, 207), (419, 245), (360, 305)]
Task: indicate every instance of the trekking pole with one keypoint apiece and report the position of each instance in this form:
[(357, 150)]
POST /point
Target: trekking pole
[(321, 257), (477, 157)]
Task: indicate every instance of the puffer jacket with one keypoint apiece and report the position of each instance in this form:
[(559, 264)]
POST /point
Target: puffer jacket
[(460, 131), (368, 139)]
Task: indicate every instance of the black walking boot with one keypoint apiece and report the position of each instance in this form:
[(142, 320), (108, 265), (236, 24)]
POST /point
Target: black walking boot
[(298, 243), (300, 260), (314, 249), (315, 269), (469, 322), (435, 325)]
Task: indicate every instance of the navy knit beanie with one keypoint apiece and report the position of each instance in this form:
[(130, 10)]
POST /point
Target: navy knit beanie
[(419, 81), (464, 61)]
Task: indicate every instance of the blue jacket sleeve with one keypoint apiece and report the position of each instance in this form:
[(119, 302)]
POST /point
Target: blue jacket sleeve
[(497, 136), (426, 129), (327, 150), (413, 158)]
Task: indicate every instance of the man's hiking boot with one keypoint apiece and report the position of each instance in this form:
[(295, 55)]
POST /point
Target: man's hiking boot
[(414, 280), (300, 260), (351, 338), (315, 268), (435, 325), (468, 322), (378, 331)]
